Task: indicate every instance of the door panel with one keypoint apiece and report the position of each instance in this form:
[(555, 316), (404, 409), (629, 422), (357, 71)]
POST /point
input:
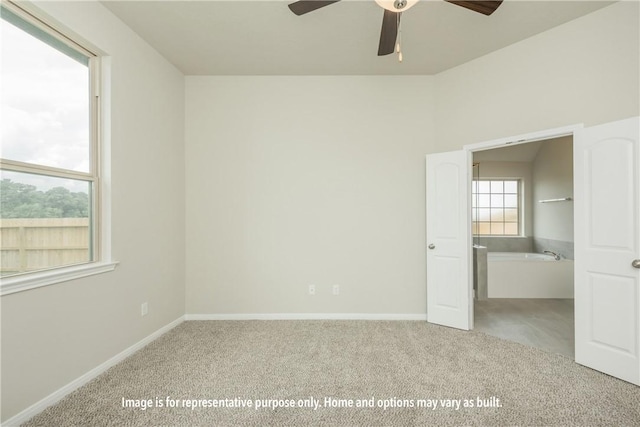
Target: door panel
[(610, 161), (606, 293), (448, 240), (607, 240), (447, 296)]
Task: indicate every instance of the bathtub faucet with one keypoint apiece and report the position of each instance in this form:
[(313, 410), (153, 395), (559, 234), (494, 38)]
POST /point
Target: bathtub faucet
[(555, 255)]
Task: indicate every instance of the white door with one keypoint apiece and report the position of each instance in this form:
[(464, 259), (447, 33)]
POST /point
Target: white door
[(448, 240), (607, 248)]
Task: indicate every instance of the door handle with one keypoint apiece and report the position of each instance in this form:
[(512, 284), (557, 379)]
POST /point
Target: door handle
[(432, 246), (635, 263)]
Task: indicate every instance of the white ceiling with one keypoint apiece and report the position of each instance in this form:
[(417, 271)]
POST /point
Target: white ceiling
[(265, 38)]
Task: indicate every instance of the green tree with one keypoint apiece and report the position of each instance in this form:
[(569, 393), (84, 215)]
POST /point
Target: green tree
[(19, 200)]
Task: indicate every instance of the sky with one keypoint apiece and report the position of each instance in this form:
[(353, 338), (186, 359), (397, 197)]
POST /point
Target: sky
[(44, 115)]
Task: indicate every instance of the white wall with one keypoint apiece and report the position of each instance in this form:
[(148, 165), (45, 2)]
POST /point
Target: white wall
[(585, 71), (306, 180), (553, 179), (53, 335)]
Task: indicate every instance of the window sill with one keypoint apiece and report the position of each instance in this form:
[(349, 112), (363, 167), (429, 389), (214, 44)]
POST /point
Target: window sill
[(24, 282)]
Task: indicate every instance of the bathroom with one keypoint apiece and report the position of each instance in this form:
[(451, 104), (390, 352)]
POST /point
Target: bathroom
[(522, 213)]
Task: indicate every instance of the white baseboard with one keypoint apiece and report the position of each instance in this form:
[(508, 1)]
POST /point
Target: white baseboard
[(307, 316), (57, 395)]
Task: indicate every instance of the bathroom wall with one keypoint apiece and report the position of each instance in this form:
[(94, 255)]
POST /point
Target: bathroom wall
[(552, 172)]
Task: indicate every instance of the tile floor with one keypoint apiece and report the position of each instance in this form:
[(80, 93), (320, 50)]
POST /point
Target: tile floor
[(544, 323)]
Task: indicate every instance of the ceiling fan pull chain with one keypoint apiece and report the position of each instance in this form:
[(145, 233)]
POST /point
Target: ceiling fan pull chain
[(399, 40)]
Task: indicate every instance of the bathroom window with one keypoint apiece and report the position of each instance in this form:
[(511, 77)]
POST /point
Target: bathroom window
[(496, 207)]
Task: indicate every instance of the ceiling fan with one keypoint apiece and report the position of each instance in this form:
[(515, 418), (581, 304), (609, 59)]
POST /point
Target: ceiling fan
[(391, 18)]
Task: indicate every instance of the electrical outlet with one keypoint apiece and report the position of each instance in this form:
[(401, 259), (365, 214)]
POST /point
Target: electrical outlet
[(144, 309), (336, 289), (312, 289)]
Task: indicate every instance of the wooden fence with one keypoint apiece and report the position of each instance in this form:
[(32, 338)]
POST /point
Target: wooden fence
[(35, 244)]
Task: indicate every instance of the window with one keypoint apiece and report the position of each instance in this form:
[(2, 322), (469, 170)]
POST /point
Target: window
[(49, 153), (496, 207)]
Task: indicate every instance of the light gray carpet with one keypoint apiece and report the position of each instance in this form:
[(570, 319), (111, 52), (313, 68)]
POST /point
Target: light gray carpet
[(345, 360)]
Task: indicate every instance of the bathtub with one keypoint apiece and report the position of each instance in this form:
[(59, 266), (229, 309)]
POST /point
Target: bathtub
[(528, 275)]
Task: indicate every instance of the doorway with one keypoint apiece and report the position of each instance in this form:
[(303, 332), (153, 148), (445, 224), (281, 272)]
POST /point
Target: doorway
[(522, 204), (606, 239)]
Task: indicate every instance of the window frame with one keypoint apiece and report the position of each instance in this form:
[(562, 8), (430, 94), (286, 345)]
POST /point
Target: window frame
[(99, 217), (519, 208)]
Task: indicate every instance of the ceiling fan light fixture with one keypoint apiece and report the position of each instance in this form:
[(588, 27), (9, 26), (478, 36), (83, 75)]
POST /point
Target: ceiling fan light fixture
[(396, 5)]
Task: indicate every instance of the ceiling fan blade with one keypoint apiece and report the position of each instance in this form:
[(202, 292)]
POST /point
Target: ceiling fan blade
[(306, 6), (389, 32), (484, 7)]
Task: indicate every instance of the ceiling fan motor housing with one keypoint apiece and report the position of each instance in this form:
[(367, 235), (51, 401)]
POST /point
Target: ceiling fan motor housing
[(400, 4), (396, 5)]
